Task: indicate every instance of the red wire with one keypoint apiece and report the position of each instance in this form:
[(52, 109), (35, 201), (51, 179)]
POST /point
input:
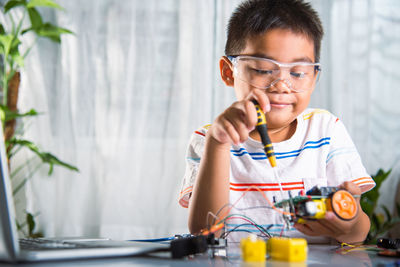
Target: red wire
[(264, 196)]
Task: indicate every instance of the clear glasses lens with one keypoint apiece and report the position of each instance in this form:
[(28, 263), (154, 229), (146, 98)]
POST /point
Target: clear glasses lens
[(263, 73)]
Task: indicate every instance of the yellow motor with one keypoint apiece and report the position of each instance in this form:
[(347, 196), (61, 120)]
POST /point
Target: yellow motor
[(253, 249), (287, 249)]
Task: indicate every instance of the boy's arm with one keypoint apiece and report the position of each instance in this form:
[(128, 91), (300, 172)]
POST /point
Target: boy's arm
[(353, 231), (211, 189)]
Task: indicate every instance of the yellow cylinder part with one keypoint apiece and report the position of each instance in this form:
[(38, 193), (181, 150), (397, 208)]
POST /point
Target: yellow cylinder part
[(321, 208)]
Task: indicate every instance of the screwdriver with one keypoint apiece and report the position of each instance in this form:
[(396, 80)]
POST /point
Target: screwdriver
[(261, 127)]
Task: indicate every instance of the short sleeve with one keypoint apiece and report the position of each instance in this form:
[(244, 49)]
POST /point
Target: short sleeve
[(344, 162), (193, 156)]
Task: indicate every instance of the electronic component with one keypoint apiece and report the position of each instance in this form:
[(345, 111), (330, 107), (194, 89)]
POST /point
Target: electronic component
[(191, 244), (317, 201), (182, 247), (287, 249), (253, 249), (389, 243)]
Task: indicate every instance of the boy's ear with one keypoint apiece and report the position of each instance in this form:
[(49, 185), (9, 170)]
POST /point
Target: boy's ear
[(226, 69)]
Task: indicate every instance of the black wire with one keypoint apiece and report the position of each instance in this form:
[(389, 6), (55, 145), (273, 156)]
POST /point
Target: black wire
[(259, 227), (242, 230)]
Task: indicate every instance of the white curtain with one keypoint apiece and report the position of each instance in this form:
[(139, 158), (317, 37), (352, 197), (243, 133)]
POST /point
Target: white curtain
[(122, 96)]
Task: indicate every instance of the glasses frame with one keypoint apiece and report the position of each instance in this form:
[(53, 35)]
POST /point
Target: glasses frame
[(317, 68)]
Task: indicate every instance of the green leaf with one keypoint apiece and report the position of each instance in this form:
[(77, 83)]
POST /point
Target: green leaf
[(369, 200), (367, 206), (15, 43), (375, 222), (2, 116), (26, 30), (52, 32), (18, 59), (45, 3), (46, 157), (5, 43), (13, 3), (2, 30), (10, 115), (388, 216), (31, 223), (379, 177), (35, 18)]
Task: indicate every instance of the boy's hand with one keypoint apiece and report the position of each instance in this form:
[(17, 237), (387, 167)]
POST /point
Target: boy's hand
[(235, 123), (352, 231)]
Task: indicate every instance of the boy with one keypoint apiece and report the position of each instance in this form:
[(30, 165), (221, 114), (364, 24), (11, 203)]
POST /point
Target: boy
[(271, 54)]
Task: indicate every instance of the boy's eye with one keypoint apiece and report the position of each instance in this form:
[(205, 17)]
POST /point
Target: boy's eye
[(298, 74), (263, 72)]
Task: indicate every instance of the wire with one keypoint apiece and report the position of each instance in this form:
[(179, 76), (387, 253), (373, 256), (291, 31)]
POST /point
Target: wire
[(215, 215), (347, 248), (218, 222), (235, 229), (247, 219), (154, 240), (207, 220), (239, 209), (254, 207), (283, 228), (264, 196)]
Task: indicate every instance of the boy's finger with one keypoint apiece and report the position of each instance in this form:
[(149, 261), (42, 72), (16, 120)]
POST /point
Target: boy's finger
[(241, 131), (230, 131), (332, 222), (220, 134), (238, 118), (320, 228), (351, 187), (261, 97), (304, 229), (335, 223), (251, 118)]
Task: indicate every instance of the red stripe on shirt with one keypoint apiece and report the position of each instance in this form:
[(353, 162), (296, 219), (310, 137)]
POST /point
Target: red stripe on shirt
[(266, 184), (200, 133), (266, 189)]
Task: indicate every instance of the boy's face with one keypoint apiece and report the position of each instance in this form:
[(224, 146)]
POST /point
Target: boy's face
[(283, 46)]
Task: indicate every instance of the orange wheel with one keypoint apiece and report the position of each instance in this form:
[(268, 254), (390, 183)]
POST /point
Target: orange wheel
[(344, 205)]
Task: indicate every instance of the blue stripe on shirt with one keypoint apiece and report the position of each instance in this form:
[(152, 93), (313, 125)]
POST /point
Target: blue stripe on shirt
[(280, 155), (340, 151)]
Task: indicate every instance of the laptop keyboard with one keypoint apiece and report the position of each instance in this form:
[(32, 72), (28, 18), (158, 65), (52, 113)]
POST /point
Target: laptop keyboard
[(43, 244)]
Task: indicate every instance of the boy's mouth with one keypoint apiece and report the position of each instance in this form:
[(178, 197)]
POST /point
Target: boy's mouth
[(279, 104)]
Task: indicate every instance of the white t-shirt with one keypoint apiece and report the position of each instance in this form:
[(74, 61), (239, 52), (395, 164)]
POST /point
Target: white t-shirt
[(320, 152)]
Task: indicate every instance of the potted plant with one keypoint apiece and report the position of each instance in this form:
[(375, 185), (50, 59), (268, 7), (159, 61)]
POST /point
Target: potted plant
[(22, 18), (380, 222)]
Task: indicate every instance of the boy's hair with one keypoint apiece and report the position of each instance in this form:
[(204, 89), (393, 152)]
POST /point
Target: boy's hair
[(254, 17)]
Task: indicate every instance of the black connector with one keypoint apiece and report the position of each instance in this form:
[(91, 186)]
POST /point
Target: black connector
[(186, 246), (389, 243)]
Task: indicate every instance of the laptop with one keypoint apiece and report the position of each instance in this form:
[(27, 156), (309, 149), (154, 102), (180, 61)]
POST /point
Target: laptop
[(13, 250)]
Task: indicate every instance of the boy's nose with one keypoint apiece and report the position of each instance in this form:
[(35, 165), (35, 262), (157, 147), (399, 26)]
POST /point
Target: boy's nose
[(281, 86)]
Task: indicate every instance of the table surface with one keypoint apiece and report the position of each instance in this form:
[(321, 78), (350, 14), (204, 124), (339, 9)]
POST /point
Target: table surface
[(318, 255)]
